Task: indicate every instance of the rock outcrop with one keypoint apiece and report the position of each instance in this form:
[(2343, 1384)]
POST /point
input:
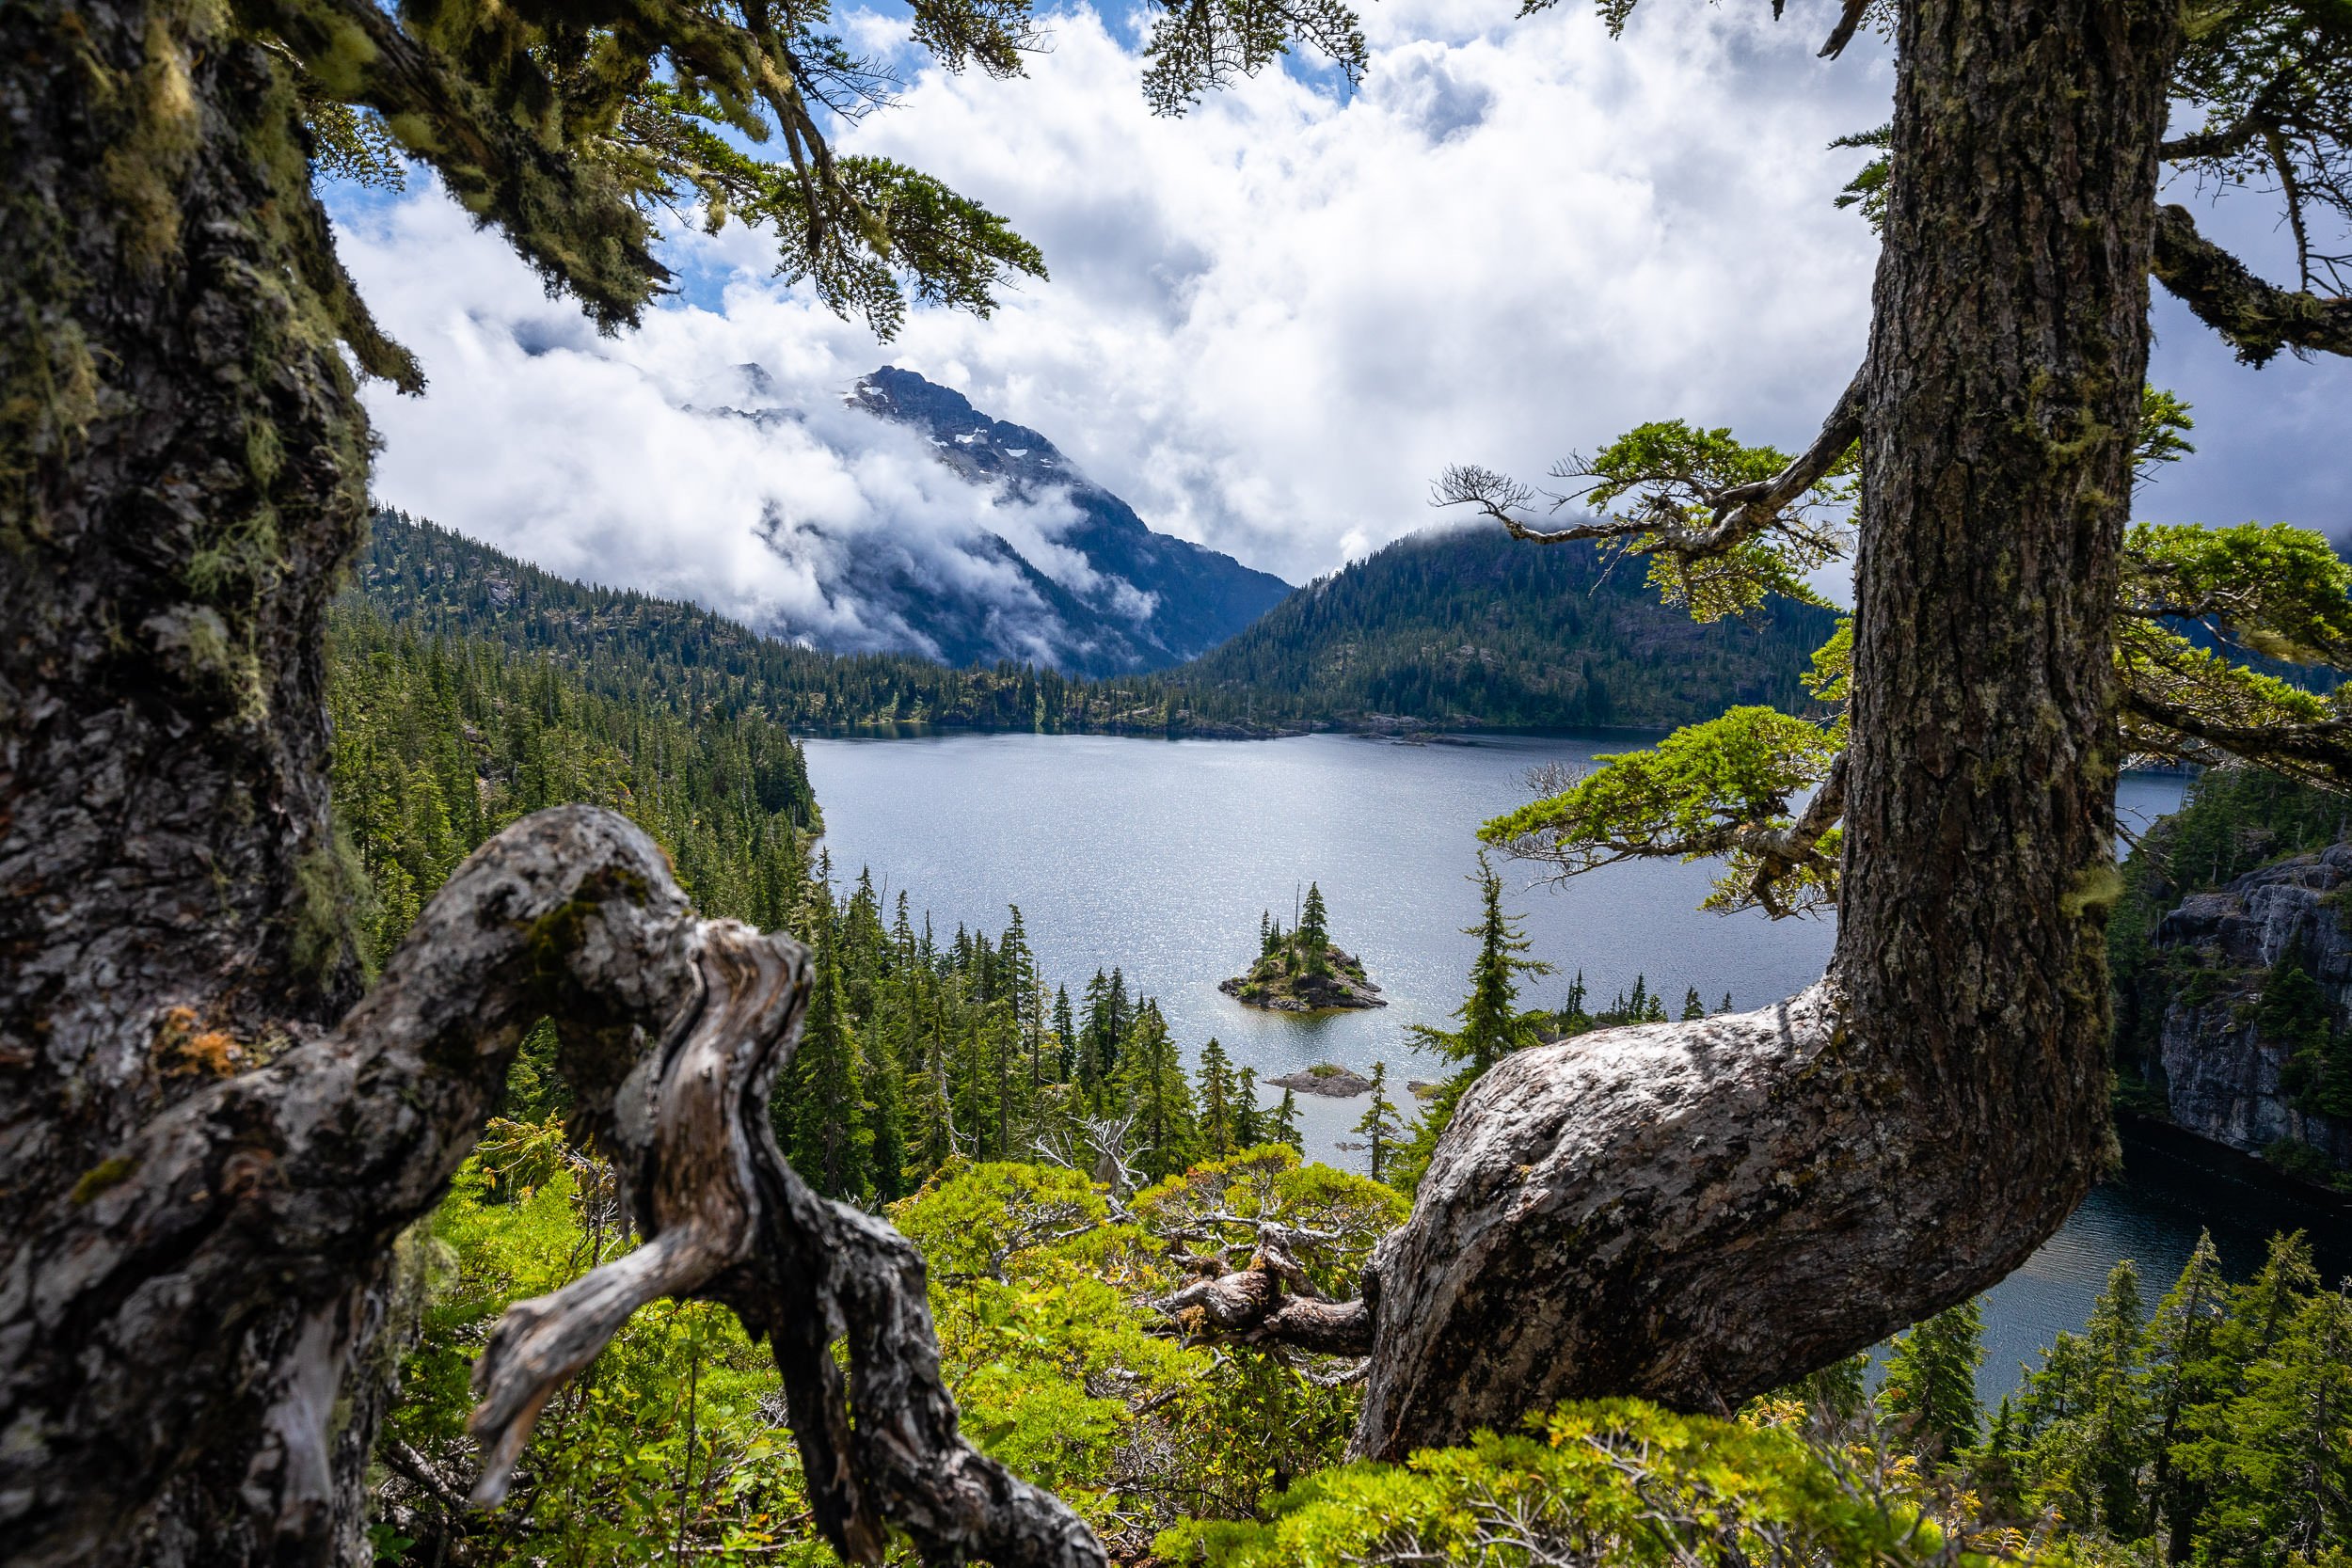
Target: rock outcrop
[(1326, 1079), (2196, 1042)]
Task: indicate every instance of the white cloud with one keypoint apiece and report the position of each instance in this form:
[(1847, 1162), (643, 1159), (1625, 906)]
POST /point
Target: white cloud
[(1269, 325)]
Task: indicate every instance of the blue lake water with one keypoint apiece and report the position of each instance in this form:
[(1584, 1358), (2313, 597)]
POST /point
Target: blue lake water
[(1158, 857)]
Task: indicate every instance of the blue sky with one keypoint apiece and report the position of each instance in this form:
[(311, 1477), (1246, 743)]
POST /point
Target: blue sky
[(1269, 325)]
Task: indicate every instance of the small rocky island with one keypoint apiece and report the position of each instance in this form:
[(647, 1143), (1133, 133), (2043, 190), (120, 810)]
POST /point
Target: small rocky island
[(1302, 971), (1325, 1078)]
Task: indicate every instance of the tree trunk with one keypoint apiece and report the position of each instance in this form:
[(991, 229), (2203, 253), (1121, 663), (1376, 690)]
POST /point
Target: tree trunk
[(182, 472), (1699, 1212), (205, 1183)]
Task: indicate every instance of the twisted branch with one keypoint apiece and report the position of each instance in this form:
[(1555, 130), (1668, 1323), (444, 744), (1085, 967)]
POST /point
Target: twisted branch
[(2259, 319), (1736, 514), (251, 1201)]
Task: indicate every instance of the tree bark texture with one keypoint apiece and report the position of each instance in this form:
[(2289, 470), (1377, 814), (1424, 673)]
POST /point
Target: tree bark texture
[(1698, 1213), (131, 1371), (204, 1178), (181, 471)]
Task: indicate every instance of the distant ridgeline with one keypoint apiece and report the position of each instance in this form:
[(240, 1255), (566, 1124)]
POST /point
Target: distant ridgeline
[(1440, 630), (1470, 626)]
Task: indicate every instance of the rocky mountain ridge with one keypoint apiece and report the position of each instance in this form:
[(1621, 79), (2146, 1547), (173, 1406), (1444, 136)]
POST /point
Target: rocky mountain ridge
[(1157, 600), (1092, 592)]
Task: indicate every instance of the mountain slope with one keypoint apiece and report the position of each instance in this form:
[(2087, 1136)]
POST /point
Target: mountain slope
[(1469, 626), (1154, 599), (1448, 629)]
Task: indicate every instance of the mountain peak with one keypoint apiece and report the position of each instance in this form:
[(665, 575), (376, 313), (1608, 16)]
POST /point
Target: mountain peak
[(1152, 599), (969, 441)]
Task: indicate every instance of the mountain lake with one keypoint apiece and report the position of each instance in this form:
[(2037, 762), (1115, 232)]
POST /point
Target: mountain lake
[(1158, 857)]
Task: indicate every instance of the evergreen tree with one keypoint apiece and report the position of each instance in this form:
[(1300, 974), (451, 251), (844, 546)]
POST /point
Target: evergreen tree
[(885, 1109), (827, 1137), (1491, 1024), (1153, 1083), (1997, 1470), (1283, 1127), (2277, 1457), (1218, 1097), (1065, 1036), (1931, 1380), (1018, 965), (1093, 1046), (2183, 1376), (1313, 939), (1691, 1007), (1249, 1123), (935, 1141), (1572, 1018), (1382, 1128), (1117, 1020), (2104, 1447)]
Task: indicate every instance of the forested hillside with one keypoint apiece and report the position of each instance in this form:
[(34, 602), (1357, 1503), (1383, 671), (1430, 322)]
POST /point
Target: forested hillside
[(1458, 628), (1468, 626), (1077, 1190), (919, 1045), (441, 741)]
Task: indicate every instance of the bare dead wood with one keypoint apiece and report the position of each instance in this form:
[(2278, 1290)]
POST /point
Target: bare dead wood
[(1252, 1307), (263, 1189)]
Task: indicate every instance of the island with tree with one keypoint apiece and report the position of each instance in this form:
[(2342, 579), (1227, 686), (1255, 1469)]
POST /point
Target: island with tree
[(1302, 970)]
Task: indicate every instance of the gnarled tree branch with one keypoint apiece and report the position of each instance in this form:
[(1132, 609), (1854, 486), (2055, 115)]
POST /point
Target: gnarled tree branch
[(1736, 514), (2259, 319), (1574, 1233), (225, 1234), (1252, 1307), (2317, 752)]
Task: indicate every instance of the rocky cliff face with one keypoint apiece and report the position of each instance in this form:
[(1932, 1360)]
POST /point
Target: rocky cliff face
[(2199, 1044)]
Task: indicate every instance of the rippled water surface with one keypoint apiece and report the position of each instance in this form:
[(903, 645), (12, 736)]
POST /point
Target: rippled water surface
[(1157, 856)]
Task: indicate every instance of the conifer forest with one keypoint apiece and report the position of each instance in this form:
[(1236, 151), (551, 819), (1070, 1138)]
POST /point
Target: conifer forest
[(477, 1089)]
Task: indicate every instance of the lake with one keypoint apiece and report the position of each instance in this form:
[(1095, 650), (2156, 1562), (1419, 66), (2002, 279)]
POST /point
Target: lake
[(1158, 856)]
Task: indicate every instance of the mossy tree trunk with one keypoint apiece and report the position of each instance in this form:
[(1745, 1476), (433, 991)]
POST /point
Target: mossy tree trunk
[(1700, 1212), (182, 473), (204, 1178), (209, 1162)]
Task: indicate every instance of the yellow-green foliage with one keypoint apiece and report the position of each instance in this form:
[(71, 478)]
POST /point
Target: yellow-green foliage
[(1066, 1371), (1691, 795), (1664, 476), (612, 1472), (1608, 1483)]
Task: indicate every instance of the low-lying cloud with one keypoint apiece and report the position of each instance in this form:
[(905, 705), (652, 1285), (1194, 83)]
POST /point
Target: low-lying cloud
[(1268, 325)]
